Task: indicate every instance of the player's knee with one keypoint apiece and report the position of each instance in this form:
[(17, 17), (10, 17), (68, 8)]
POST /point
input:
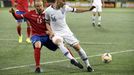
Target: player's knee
[(37, 44), (57, 40), (76, 46)]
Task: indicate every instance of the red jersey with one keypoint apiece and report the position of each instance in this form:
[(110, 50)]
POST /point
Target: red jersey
[(22, 5), (37, 21)]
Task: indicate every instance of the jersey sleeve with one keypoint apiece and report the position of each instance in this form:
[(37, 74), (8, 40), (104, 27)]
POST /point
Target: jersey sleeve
[(69, 9)]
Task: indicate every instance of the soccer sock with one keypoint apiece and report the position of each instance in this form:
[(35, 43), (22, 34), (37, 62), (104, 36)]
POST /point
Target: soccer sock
[(65, 51), (93, 19), (37, 56), (84, 56), (28, 31), (19, 30), (99, 20), (70, 51)]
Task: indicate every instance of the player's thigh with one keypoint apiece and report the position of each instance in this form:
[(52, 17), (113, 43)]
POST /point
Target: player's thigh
[(50, 45), (95, 9), (36, 42)]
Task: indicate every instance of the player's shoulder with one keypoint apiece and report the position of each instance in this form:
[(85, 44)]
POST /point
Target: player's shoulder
[(48, 9), (66, 6), (31, 10)]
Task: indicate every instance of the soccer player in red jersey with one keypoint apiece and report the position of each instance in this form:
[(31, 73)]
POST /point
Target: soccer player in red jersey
[(39, 34), (22, 7)]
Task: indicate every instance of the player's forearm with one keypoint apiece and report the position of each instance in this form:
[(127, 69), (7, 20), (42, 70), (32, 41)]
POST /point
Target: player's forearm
[(81, 10), (49, 30), (84, 10)]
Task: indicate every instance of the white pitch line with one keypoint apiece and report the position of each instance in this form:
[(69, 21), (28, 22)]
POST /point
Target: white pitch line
[(3, 39), (96, 43), (85, 43), (8, 39), (15, 67)]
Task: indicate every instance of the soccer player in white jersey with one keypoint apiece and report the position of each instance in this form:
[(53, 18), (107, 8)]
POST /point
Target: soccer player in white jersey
[(56, 17), (98, 4)]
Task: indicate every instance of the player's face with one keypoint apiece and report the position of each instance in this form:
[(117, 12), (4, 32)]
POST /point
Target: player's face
[(39, 7), (60, 3)]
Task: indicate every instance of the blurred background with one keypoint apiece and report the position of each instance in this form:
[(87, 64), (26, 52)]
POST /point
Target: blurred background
[(85, 3)]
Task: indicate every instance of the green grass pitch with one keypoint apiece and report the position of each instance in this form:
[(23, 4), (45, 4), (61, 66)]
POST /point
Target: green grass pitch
[(115, 36)]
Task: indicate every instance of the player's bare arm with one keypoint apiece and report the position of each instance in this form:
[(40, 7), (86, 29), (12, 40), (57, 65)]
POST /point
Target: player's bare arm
[(84, 10), (16, 16), (49, 30)]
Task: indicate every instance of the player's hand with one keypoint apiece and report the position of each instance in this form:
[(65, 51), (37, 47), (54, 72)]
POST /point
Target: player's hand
[(90, 9), (51, 34), (11, 10)]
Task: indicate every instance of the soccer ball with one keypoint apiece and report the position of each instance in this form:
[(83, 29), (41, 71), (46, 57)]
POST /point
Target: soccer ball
[(106, 58)]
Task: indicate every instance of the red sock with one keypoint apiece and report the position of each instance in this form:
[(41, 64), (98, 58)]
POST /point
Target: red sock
[(19, 30), (37, 56), (28, 31)]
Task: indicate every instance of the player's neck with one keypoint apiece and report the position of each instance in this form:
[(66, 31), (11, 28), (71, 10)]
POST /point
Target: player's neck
[(39, 12), (55, 6)]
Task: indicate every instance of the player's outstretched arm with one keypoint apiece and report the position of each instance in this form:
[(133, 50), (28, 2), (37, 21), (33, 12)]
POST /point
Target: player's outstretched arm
[(16, 16), (84, 10)]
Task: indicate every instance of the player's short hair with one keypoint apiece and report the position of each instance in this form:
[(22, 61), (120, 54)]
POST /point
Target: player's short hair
[(36, 1), (51, 1)]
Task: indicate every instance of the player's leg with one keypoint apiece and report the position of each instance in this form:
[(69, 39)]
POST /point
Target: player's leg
[(93, 18), (83, 56), (37, 48), (28, 32), (75, 43), (99, 15), (59, 42), (19, 22), (19, 31), (99, 19), (94, 15)]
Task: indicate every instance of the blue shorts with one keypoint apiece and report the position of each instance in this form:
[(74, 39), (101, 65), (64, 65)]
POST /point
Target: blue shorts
[(19, 13), (45, 41)]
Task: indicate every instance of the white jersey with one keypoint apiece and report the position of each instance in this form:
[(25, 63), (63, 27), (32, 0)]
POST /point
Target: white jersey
[(58, 23), (97, 2), (57, 19)]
